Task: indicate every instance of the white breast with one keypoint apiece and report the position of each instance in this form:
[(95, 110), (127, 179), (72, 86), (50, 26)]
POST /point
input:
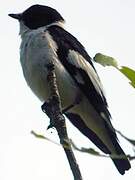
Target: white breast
[(37, 50)]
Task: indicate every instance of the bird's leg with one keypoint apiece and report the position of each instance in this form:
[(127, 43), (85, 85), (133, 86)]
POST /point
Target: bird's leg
[(47, 108), (76, 102)]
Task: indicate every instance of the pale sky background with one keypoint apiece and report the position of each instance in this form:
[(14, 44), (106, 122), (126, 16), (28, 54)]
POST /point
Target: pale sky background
[(106, 26)]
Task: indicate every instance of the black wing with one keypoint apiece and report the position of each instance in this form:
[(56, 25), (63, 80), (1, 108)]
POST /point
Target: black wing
[(91, 86)]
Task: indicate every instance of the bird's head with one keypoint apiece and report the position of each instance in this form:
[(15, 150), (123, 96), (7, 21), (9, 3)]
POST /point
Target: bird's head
[(38, 16)]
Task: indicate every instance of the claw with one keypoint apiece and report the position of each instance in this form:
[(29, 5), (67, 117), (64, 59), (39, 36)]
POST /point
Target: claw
[(49, 127)]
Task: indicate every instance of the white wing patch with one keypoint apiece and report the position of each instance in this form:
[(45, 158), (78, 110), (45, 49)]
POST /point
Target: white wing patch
[(77, 60)]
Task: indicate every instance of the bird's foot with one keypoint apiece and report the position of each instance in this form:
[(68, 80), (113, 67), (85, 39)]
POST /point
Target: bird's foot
[(46, 108)]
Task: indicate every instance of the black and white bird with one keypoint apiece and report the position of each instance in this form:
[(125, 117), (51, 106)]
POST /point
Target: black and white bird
[(44, 40)]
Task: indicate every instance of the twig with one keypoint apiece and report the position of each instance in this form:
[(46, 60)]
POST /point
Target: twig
[(90, 150), (131, 141), (54, 111)]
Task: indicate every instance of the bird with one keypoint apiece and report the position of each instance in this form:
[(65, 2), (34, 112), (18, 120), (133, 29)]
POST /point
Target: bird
[(44, 40)]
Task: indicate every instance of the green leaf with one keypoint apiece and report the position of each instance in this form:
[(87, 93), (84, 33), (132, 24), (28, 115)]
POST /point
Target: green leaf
[(38, 135), (105, 60), (85, 150), (129, 73), (90, 151), (110, 61)]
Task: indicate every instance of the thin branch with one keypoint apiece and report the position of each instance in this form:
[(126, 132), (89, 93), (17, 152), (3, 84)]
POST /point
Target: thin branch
[(54, 111), (131, 141), (90, 150)]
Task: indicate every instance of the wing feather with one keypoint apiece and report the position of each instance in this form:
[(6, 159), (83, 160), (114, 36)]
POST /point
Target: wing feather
[(79, 65)]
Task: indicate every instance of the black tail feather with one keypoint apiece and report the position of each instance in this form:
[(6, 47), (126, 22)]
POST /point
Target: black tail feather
[(121, 162), (122, 165)]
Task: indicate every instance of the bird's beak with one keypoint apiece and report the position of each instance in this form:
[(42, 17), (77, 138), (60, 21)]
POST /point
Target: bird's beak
[(16, 16)]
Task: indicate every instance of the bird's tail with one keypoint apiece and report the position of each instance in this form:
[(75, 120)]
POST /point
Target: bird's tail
[(121, 162)]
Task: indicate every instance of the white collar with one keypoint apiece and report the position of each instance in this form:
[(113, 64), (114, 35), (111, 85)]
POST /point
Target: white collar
[(24, 29)]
